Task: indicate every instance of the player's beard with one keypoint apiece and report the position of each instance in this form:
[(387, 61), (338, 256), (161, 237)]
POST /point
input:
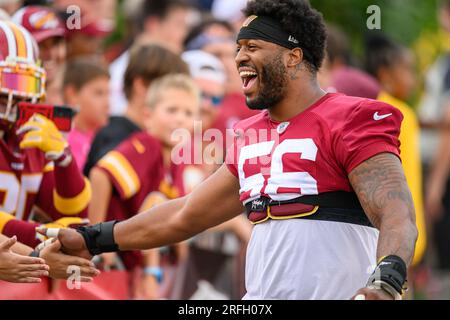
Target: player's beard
[(273, 85)]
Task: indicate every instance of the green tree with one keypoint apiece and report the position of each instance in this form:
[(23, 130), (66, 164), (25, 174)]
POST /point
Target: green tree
[(403, 20)]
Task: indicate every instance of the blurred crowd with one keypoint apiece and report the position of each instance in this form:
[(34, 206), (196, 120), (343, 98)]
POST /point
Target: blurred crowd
[(149, 67)]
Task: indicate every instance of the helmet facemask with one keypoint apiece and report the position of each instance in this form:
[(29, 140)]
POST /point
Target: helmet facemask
[(20, 81)]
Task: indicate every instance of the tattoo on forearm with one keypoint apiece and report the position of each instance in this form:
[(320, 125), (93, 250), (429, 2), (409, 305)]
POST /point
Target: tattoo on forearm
[(378, 181), (384, 194)]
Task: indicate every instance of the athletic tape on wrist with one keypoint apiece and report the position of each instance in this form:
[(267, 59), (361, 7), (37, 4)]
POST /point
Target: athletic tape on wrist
[(99, 238)]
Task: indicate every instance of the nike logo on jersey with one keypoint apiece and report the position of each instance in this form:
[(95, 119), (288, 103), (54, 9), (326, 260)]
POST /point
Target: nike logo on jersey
[(378, 117)]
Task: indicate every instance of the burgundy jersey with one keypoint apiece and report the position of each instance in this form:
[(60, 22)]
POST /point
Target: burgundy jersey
[(136, 170), (315, 151), (21, 175), (28, 181)]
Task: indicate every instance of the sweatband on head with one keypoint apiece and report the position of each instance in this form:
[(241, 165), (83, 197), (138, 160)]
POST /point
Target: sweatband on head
[(270, 30)]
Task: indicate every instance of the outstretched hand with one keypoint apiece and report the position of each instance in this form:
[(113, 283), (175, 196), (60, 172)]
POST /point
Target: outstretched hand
[(18, 268), (72, 242), (60, 263)]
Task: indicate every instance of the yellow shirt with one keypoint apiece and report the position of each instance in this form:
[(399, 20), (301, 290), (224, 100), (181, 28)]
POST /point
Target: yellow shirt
[(409, 148), (429, 46)]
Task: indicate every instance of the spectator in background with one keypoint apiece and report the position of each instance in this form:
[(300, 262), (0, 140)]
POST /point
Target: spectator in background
[(231, 11), (432, 43), (97, 10), (338, 74), (49, 31), (86, 87), (217, 38), (147, 63), (437, 199), (394, 67), (434, 113), (209, 74), (165, 23), (96, 22), (87, 41), (55, 95), (436, 98), (140, 173)]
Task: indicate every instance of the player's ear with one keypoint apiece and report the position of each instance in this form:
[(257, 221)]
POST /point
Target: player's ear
[(295, 57)]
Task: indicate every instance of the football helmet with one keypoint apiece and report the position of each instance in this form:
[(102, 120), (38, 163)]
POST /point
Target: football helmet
[(21, 77)]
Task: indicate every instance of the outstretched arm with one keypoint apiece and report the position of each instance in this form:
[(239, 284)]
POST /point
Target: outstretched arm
[(213, 202), (383, 192)]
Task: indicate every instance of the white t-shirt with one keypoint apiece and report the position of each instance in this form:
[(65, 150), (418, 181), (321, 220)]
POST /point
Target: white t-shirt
[(301, 259), (433, 106)]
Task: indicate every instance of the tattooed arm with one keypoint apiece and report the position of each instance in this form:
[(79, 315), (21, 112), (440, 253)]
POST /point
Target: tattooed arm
[(383, 192)]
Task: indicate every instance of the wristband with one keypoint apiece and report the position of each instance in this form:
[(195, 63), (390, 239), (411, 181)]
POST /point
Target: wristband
[(390, 275), (99, 238), (154, 271)]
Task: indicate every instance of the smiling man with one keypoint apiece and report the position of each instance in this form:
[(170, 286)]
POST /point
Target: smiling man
[(325, 188)]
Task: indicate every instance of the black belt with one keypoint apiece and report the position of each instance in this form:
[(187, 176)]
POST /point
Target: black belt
[(339, 206)]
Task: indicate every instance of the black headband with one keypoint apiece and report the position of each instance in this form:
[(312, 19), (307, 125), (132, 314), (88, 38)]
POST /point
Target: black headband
[(270, 30)]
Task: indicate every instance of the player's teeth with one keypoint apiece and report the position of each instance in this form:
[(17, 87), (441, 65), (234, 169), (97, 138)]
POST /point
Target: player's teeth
[(245, 74)]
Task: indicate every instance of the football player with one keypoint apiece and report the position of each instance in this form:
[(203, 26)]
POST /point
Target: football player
[(318, 174), (37, 171)]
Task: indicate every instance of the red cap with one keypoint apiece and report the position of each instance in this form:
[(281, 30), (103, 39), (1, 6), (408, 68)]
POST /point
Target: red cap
[(41, 22)]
